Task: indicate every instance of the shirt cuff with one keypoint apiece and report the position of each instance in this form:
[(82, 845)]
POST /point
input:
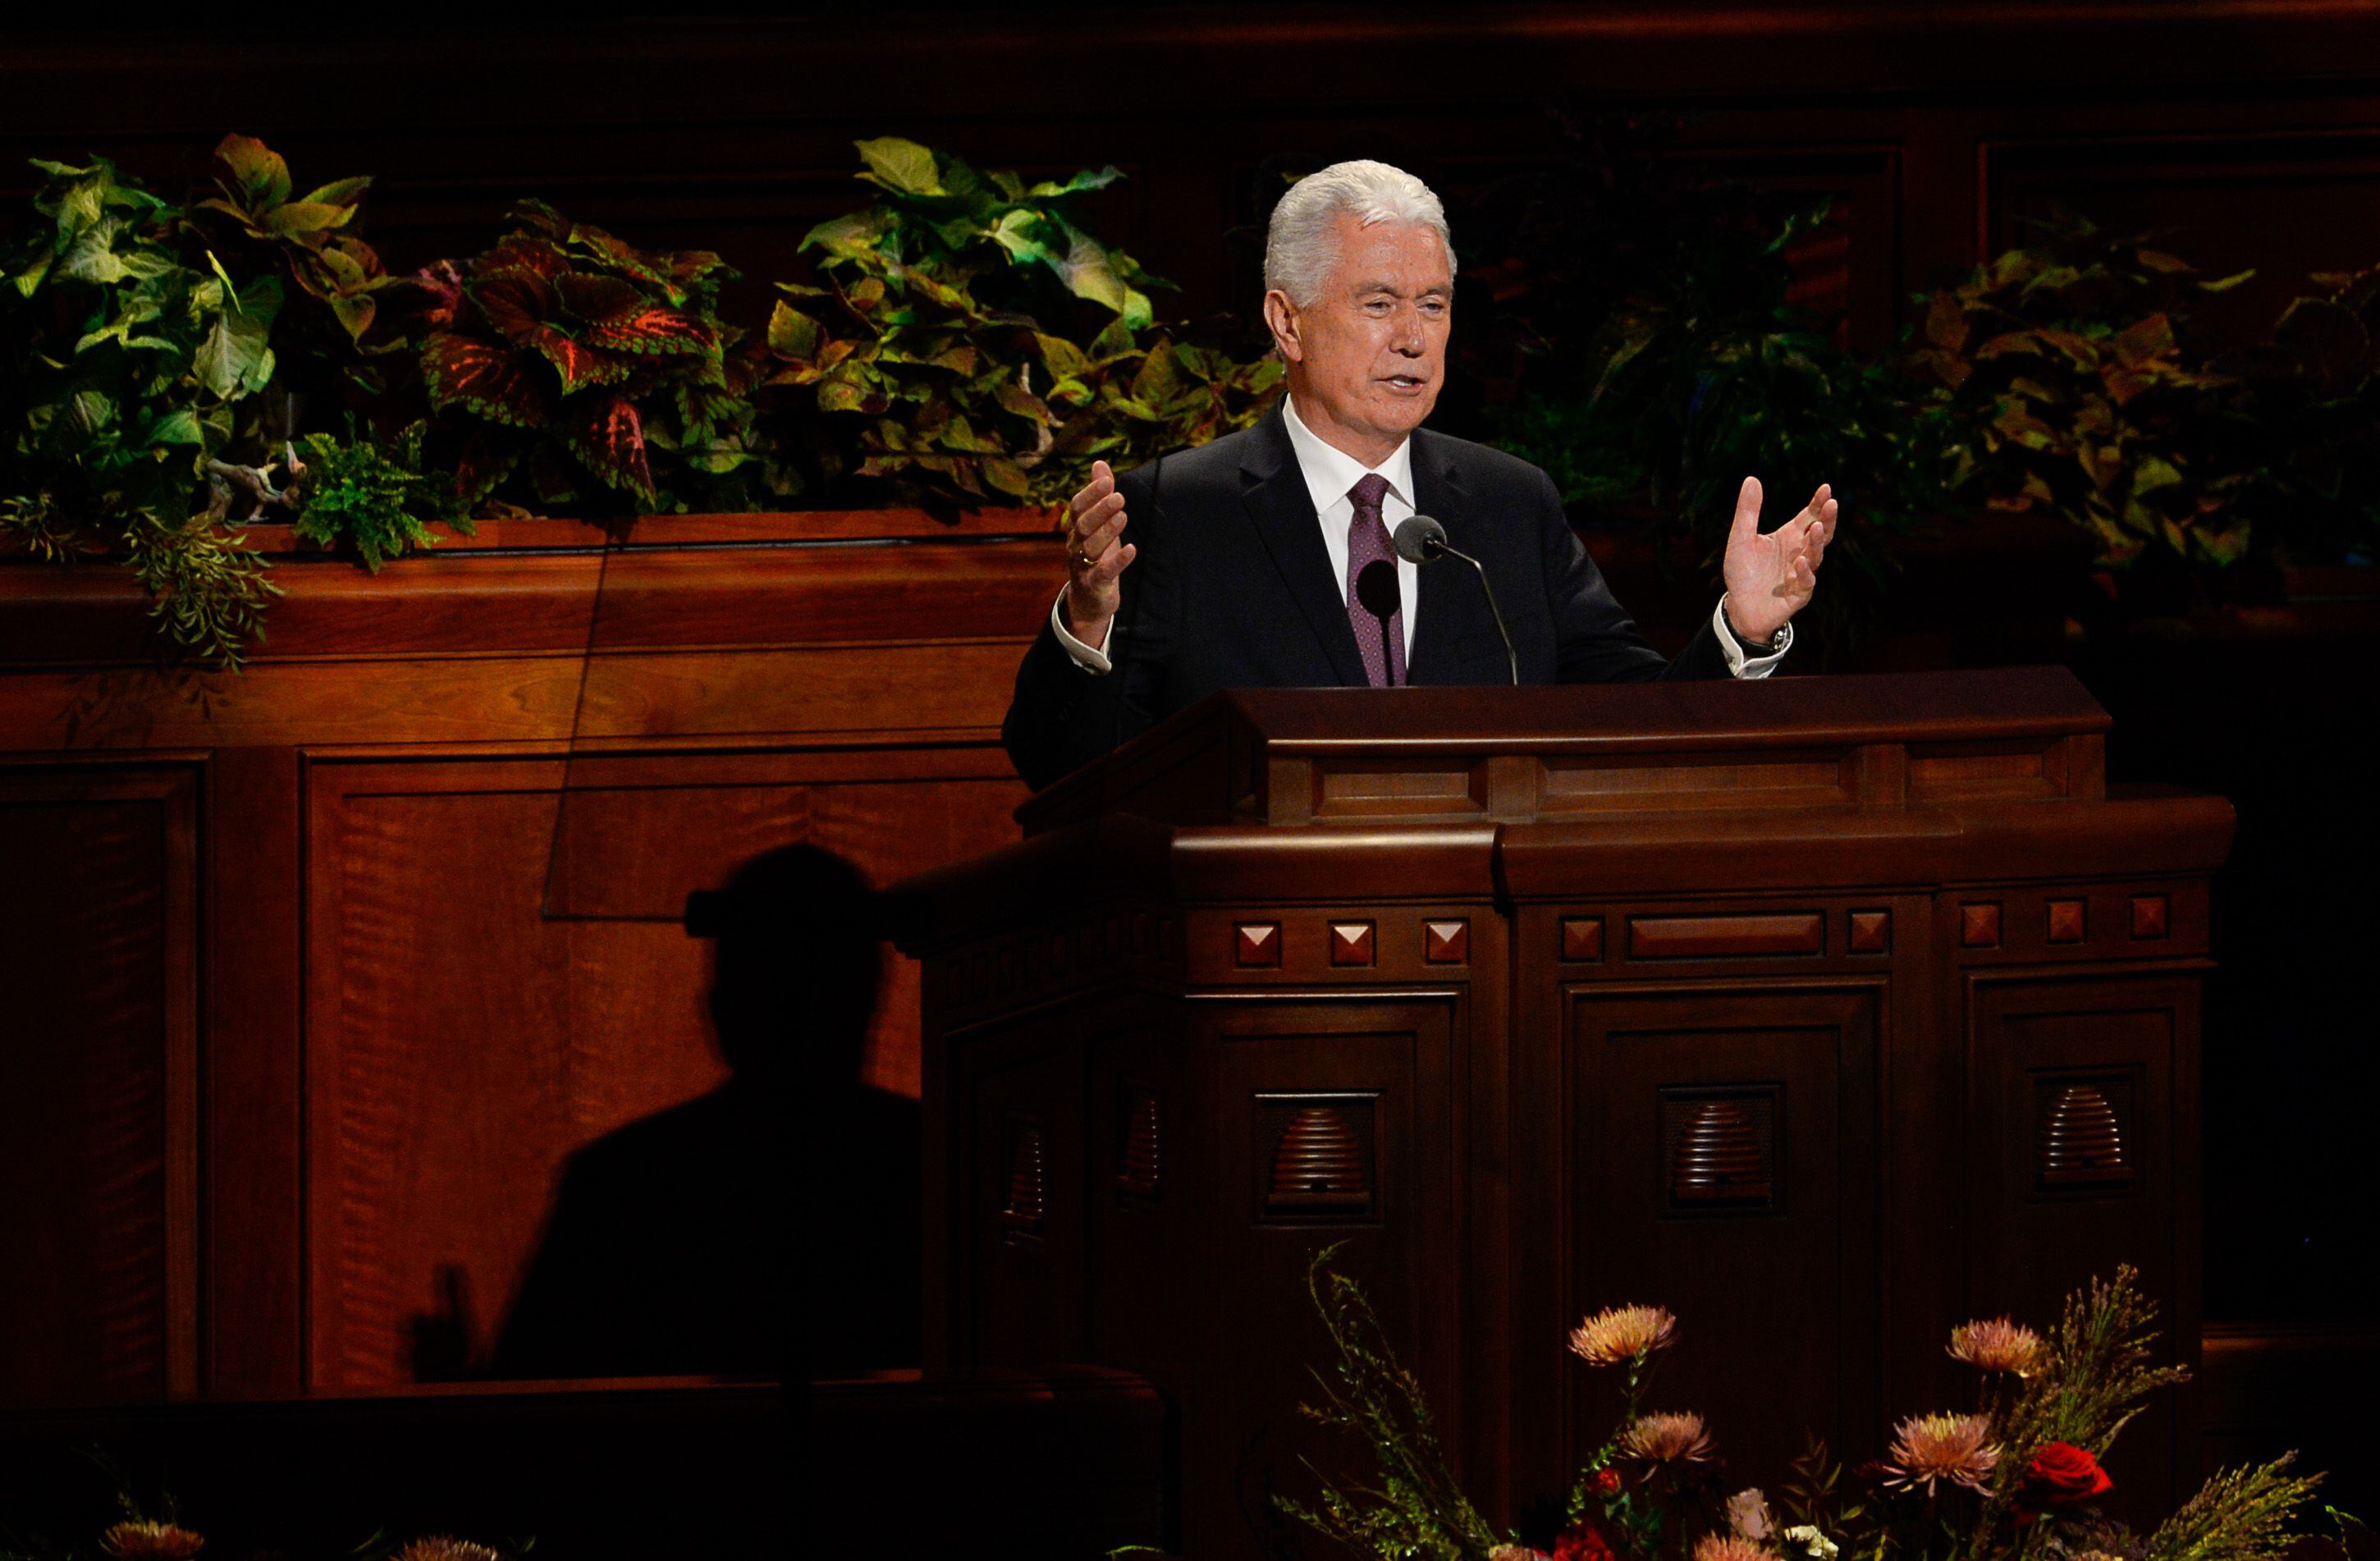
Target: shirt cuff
[(1742, 661), (1094, 662)]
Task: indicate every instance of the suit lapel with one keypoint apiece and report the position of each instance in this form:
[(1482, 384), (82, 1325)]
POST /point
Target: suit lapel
[(1449, 595), (1278, 502)]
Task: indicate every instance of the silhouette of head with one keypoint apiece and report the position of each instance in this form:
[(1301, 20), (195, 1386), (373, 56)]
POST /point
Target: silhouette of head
[(796, 966)]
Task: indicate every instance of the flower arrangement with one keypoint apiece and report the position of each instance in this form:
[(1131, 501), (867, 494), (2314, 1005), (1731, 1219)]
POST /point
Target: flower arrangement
[(2015, 1478), (139, 1538), (141, 1533)]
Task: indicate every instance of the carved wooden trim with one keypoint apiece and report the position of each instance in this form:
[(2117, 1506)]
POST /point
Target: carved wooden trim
[(2067, 921), (1680, 937), (1140, 1163), (1324, 1160), (1720, 1149), (2081, 1139), (1257, 944), (1023, 1217), (1582, 938)]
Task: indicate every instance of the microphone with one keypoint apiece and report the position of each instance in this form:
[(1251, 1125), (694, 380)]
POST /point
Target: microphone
[(1376, 588), (1420, 539)]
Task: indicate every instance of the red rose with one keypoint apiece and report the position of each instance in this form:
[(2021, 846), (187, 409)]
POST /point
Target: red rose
[(1606, 1483), (2061, 1475), (1584, 1542)]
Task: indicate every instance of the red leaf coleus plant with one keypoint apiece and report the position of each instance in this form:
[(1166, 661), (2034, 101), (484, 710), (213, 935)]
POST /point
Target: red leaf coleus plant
[(564, 354)]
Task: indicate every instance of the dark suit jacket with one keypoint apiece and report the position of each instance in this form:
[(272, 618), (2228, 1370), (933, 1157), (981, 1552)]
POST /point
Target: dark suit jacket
[(1233, 589)]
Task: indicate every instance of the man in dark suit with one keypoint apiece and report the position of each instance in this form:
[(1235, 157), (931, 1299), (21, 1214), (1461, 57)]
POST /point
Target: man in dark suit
[(1262, 560)]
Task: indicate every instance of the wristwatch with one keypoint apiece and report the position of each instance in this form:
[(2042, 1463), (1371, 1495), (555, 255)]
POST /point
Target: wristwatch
[(1755, 646)]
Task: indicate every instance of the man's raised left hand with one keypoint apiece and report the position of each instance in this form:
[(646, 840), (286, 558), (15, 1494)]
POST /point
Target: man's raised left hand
[(1770, 575)]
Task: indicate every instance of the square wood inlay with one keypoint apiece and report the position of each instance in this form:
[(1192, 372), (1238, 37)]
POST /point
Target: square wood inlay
[(1582, 938), (1871, 932), (1446, 943), (1979, 925), (1257, 944), (2067, 921), (1351, 943), (2150, 916)]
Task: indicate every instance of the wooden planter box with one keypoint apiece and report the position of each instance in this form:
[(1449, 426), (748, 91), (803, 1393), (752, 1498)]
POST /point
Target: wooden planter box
[(294, 1048)]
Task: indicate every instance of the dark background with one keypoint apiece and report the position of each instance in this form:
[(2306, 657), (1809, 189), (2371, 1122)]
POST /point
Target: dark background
[(2253, 129)]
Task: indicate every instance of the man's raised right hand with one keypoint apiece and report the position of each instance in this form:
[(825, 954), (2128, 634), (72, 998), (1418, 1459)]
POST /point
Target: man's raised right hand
[(1096, 556)]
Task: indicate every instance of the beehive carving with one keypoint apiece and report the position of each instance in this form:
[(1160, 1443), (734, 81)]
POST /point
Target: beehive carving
[(1719, 1157), (2082, 1143), (1021, 1217), (1319, 1164), (1138, 1174)]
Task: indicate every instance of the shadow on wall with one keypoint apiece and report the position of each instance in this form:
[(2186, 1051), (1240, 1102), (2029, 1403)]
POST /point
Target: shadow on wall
[(769, 1228)]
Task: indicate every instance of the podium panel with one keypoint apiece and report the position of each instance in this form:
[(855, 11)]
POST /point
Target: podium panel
[(1826, 1013)]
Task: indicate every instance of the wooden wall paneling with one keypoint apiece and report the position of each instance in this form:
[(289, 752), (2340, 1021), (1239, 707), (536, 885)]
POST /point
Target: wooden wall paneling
[(2047, 1050), (920, 685), (99, 1078), (461, 1044), (1140, 1181), (1540, 1020), (1029, 1181), (1495, 1229), (1793, 1062), (1888, 1189), (889, 634), (1388, 1066), (638, 829), (482, 698), (458, 1049), (1923, 1188), (253, 1183)]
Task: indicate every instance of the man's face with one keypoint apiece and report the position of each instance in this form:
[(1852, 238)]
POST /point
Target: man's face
[(1367, 354)]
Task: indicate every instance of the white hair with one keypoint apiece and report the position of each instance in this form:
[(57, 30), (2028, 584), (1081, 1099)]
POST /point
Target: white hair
[(1301, 244)]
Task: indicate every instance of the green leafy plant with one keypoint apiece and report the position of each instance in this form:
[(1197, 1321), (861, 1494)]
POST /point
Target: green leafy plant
[(372, 495), (2064, 375), (941, 347), (124, 363), (2312, 393), (1635, 335), (576, 368), (1418, 1509), (325, 260)]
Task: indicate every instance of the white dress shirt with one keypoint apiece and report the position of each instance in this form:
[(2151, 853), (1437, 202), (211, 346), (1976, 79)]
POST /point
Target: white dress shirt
[(1330, 473)]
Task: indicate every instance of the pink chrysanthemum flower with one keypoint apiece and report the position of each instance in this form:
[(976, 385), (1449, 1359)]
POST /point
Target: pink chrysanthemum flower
[(1731, 1547), (438, 1548), (1998, 1345), (151, 1542), (1621, 1333), (1928, 1449), (1667, 1438)]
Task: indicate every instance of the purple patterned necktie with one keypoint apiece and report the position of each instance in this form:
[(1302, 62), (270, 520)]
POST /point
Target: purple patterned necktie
[(1368, 543)]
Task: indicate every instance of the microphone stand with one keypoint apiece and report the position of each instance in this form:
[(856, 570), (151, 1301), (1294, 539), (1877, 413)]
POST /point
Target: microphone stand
[(1434, 544)]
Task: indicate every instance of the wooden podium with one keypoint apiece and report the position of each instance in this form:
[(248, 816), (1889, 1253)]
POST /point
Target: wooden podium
[(1826, 1013)]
